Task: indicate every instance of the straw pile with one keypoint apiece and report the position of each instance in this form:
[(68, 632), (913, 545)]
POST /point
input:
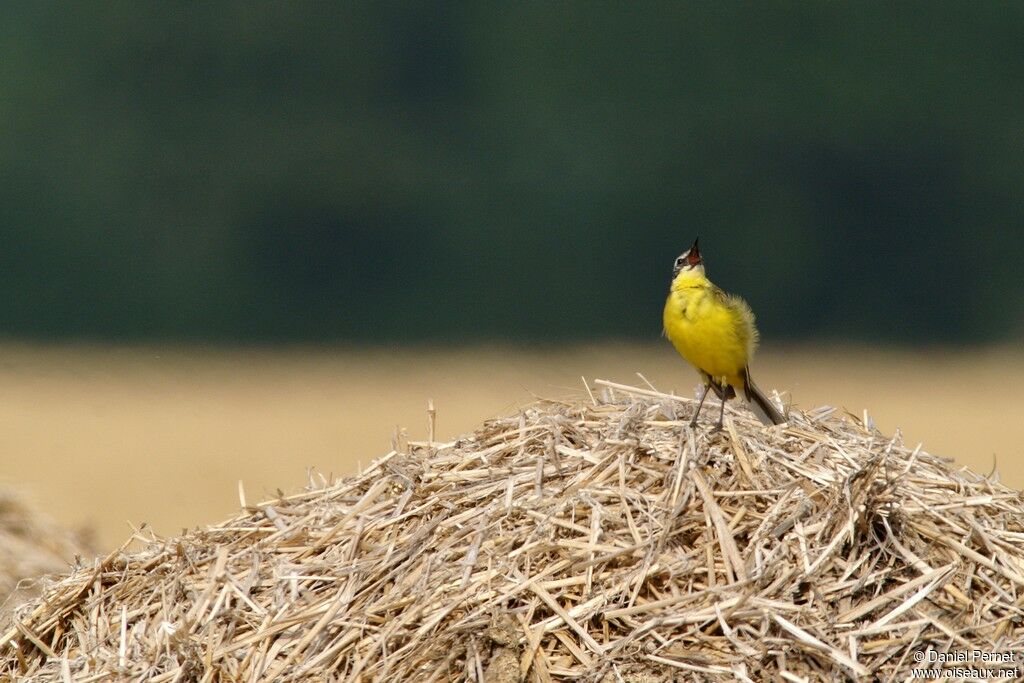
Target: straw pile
[(31, 546), (599, 540)]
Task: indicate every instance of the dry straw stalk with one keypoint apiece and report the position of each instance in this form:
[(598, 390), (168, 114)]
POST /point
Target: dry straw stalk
[(599, 540), (31, 545)]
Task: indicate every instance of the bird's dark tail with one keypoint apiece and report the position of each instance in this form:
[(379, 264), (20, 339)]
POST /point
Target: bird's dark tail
[(760, 404)]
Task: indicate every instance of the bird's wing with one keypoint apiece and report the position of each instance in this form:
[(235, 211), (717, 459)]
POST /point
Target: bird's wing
[(745, 328)]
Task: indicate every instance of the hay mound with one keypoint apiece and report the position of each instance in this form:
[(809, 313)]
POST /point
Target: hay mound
[(31, 546), (599, 540)]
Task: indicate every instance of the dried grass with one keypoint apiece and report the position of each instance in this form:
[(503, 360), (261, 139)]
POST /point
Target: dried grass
[(31, 546), (599, 540)]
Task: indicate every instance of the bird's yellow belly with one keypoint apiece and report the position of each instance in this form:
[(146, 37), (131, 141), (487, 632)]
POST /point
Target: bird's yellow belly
[(707, 337)]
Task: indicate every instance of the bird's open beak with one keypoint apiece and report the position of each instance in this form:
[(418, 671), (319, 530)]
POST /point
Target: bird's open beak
[(693, 256)]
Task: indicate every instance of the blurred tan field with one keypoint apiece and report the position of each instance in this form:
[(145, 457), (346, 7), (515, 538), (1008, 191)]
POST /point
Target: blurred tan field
[(106, 437)]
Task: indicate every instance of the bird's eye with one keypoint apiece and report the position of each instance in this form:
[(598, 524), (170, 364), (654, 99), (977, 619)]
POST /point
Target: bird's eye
[(679, 261)]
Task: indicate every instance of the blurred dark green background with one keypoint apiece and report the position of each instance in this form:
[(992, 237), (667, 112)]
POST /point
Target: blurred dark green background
[(462, 172)]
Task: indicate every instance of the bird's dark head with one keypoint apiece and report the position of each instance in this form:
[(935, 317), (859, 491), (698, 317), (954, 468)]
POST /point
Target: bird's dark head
[(689, 260)]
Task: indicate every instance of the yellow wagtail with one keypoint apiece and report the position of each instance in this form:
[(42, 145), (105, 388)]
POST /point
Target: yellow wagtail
[(715, 332)]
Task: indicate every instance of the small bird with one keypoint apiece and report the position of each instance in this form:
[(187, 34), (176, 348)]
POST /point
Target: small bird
[(715, 333)]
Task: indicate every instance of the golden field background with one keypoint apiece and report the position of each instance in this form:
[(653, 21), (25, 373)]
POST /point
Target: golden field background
[(100, 437)]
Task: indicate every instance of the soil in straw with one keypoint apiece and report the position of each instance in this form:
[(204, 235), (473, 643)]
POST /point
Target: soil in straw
[(598, 540)]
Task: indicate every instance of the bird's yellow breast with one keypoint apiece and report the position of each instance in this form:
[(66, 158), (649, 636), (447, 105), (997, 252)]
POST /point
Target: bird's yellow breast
[(711, 330)]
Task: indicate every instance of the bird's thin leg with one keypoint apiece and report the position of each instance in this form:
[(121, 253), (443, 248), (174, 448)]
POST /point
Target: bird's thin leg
[(721, 411), (693, 422)]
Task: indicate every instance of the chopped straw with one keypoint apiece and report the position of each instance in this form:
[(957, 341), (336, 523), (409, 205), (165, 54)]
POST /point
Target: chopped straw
[(32, 545), (599, 540)]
